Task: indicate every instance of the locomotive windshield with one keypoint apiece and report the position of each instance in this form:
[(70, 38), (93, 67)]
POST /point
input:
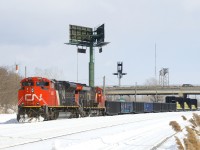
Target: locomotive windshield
[(27, 83), (42, 83)]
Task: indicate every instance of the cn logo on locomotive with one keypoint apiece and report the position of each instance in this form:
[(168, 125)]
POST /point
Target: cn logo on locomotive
[(30, 97)]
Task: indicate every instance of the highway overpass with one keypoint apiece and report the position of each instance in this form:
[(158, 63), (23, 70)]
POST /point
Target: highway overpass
[(153, 90)]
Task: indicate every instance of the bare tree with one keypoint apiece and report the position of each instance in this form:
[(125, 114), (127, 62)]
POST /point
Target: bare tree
[(153, 83), (48, 73), (9, 85)]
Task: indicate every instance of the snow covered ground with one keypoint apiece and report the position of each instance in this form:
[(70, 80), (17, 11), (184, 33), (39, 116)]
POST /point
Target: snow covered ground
[(134, 131)]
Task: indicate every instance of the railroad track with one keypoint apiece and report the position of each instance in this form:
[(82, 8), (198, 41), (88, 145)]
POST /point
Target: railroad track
[(35, 140), (68, 129)]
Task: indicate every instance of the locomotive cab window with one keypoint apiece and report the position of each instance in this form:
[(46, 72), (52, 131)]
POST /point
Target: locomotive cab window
[(52, 85), (42, 83), (27, 83)]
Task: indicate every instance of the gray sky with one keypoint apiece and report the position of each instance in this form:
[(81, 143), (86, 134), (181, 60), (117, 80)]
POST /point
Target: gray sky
[(33, 33)]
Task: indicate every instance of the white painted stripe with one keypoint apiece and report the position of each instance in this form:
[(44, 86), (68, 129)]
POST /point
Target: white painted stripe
[(57, 96), (20, 100)]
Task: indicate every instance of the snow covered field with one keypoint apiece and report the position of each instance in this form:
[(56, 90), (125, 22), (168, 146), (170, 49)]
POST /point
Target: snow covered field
[(134, 131)]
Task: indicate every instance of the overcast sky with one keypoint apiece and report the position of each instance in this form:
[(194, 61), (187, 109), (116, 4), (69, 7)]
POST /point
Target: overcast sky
[(33, 33)]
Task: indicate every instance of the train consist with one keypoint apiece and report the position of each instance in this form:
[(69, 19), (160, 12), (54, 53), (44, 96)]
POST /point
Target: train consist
[(115, 108), (44, 97), (171, 104)]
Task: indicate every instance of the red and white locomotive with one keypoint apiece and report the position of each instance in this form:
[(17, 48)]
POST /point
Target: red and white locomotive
[(44, 97)]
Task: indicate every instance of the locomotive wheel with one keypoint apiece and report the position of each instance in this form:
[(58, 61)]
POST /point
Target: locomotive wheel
[(46, 113), (56, 115), (52, 114), (18, 117)]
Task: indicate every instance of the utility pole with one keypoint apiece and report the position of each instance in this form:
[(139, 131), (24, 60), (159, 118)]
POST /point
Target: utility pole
[(155, 62), (25, 71), (156, 74), (104, 86), (91, 67), (77, 66), (135, 90)]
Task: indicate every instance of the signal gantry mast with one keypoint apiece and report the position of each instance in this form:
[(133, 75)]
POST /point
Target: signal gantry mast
[(87, 37)]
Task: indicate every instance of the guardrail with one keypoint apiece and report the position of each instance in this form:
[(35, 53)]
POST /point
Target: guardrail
[(151, 90)]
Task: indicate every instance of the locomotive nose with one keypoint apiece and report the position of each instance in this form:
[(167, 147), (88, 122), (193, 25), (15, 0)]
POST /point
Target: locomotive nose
[(30, 90)]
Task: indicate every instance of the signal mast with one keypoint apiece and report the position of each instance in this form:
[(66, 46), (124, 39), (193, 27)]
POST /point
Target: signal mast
[(119, 72)]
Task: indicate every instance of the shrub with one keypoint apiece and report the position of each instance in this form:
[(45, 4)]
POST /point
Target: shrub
[(175, 126), (191, 140)]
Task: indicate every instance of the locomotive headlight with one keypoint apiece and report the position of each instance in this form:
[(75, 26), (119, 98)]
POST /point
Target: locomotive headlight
[(32, 90), (38, 103)]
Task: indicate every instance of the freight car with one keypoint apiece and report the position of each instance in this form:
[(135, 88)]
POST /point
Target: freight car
[(172, 104), (44, 97), (117, 108), (182, 104)]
